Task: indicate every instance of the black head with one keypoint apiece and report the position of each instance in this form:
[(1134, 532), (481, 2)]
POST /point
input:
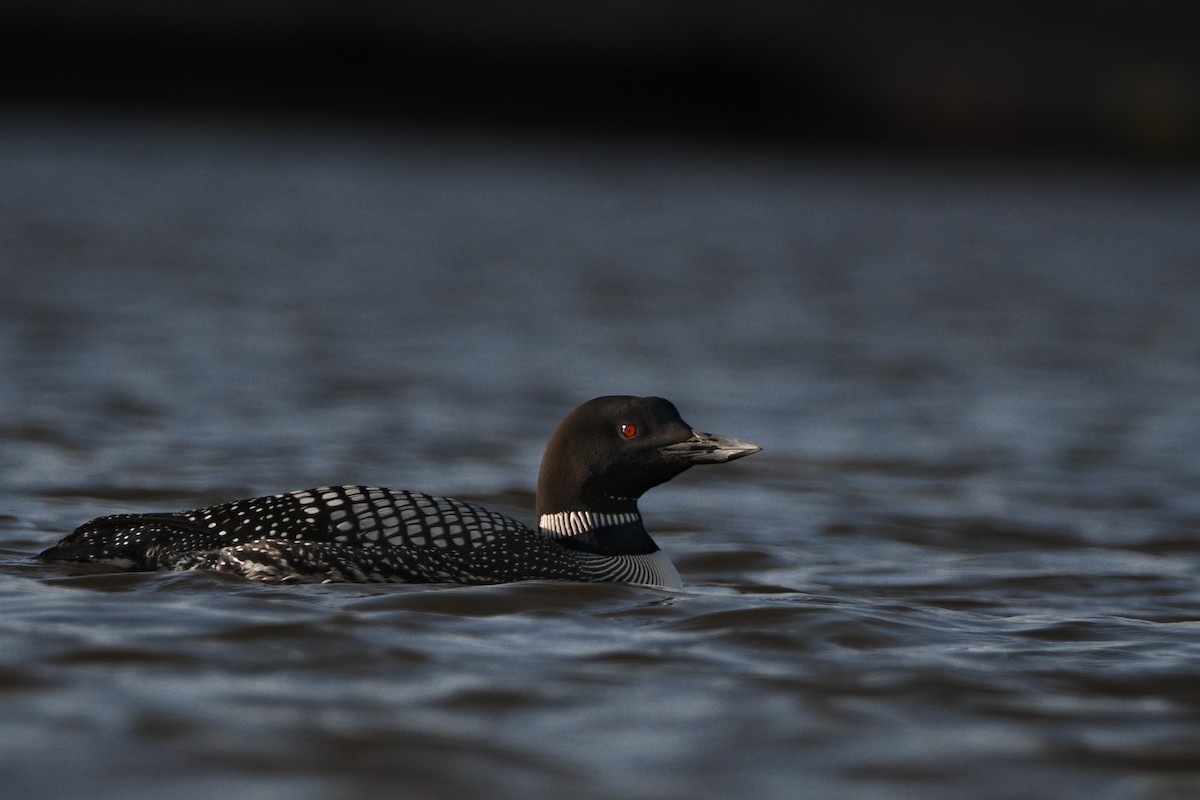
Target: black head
[(609, 451)]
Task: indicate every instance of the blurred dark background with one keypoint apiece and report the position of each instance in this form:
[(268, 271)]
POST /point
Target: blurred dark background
[(1110, 78)]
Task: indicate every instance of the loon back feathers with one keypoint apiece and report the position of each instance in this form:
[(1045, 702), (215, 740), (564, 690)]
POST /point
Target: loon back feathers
[(354, 533), (599, 461)]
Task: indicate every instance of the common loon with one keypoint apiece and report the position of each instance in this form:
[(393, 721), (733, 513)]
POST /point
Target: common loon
[(602, 457)]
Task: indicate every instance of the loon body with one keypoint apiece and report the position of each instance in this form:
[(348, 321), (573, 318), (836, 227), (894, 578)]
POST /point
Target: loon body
[(603, 456)]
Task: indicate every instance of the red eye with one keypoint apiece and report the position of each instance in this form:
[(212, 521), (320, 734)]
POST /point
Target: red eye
[(629, 431)]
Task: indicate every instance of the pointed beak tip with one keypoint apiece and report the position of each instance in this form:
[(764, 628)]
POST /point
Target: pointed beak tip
[(744, 449)]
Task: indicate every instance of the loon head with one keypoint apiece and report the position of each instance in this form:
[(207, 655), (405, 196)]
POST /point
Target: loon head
[(609, 451)]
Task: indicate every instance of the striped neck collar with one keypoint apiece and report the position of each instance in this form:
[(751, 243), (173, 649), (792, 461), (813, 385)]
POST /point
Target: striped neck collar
[(603, 533), (574, 523)]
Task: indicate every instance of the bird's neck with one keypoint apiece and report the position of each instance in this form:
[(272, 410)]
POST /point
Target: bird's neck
[(609, 533)]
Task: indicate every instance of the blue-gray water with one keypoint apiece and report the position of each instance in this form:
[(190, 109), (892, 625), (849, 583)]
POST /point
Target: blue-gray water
[(964, 565)]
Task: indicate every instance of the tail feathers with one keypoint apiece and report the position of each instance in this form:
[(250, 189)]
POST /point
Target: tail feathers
[(124, 540), (175, 542)]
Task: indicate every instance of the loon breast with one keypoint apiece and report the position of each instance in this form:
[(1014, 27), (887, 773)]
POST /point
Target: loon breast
[(373, 534)]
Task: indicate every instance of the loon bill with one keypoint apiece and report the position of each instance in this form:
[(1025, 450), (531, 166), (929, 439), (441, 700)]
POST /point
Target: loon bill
[(602, 457)]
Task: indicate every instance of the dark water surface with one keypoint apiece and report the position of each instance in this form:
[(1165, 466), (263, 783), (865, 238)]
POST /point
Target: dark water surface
[(965, 564)]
